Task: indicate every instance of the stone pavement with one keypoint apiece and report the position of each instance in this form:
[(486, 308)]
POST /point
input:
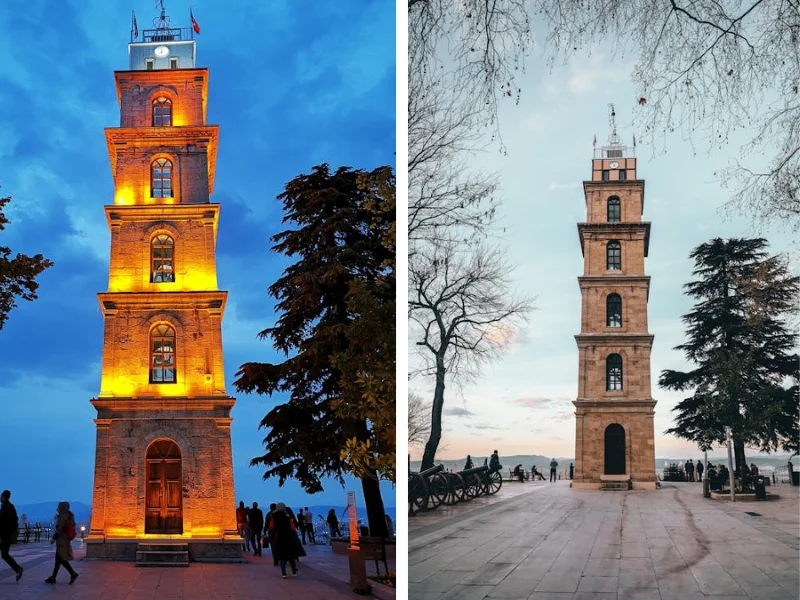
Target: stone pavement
[(322, 575), (558, 543)]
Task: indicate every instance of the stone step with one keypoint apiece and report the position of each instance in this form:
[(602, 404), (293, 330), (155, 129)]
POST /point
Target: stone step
[(162, 555), (614, 486)]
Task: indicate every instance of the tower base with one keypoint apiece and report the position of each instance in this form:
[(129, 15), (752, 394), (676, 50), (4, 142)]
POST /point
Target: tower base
[(200, 550)]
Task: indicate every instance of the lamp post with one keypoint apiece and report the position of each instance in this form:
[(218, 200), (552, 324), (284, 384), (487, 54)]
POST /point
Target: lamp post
[(728, 433)]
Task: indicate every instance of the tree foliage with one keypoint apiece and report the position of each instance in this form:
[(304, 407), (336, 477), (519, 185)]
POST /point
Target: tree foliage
[(710, 66), (746, 374), (419, 420), (368, 365), (463, 57), (18, 274), (336, 232), (463, 315)]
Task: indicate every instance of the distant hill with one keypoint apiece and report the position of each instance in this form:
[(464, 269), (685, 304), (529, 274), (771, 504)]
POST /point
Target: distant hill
[(44, 512)]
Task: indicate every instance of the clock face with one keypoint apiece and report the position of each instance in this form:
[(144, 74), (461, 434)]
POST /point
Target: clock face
[(161, 51), (613, 165)]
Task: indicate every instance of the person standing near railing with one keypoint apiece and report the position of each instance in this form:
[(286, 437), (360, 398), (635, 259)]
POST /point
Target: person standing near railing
[(333, 524)]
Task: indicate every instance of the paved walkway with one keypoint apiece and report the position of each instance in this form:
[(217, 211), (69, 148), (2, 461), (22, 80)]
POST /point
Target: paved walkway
[(322, 575), (558, 543)]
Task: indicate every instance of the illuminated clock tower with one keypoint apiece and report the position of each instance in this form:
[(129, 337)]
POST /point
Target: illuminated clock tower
[(163, 474), (614, 441)]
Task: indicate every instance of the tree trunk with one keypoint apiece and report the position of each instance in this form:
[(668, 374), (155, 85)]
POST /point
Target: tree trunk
[(436, 417), (741, 459), (374, 504)]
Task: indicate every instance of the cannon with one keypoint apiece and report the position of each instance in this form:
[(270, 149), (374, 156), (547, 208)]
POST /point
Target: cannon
[(427, 489)]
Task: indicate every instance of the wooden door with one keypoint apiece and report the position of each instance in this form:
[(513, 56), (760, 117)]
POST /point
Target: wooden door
[(163, 513), (615, 450)]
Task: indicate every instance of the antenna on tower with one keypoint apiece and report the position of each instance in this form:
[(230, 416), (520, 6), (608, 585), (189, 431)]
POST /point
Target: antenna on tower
[(162, 21), (613, 139)]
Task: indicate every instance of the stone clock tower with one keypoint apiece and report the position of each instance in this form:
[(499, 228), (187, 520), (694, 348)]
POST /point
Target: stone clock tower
[(614, 438), (163, 479)]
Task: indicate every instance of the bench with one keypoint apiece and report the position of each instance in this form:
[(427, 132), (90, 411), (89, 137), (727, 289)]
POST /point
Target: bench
[(374, 548)]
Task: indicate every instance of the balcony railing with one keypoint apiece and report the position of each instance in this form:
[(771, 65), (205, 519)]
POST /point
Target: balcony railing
[(164, 34)]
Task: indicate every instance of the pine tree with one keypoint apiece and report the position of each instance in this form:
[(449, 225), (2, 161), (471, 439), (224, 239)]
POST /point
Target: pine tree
[(336, 237), (746, 374), (17, 275)]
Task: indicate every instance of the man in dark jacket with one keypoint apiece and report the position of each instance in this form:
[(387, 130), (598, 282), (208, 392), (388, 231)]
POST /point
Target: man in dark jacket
[(8, 531), (256, 526)]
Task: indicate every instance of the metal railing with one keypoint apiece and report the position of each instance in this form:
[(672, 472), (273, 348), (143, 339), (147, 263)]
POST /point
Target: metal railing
[(164, 34)]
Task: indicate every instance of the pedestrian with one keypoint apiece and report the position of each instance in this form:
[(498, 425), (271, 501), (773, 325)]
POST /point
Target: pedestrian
[(700, 470), (753, 470), (301, 524), (9, 530), (468, 464), (256, 522), (518, 473), (571, 470), (270, 532), (690, 471), (553, 467), (242, 525), (333, 523), (310, 526), (62, 537), (536, 473), (284, 531)]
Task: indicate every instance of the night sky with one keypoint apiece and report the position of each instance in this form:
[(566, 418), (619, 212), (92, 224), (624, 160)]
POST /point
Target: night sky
[(292, 84)]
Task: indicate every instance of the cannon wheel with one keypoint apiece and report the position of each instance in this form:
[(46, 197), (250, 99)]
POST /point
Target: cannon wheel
[(495, 482), (417, 492), (455, 489), (474, 487), (438, 488)]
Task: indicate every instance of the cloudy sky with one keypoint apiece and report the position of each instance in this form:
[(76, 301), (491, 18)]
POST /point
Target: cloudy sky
[(523, 403), (293, 83)]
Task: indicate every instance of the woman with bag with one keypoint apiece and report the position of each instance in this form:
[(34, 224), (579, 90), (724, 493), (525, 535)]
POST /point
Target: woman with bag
[(286, 545), (63, 536)]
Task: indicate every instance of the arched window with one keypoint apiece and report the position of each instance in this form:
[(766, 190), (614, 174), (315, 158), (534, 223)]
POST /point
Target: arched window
[(162, 112), (161, 257), (161, 178), (613, 255), (613, 372), (613, 310), (614, 212), (162, 354)]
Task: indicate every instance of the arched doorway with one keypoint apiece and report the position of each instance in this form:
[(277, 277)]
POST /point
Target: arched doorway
[(164, 513), (615, 450)]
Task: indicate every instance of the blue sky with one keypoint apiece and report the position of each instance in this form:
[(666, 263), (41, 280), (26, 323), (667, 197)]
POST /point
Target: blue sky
[(522, 404), (292, 84)]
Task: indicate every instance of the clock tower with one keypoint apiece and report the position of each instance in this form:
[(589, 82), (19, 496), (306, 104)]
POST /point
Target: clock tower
[(614, 438), (163, 478)]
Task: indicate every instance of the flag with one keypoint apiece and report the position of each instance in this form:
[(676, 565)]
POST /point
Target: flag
[(594, 143), (195, 26), (134, 27), (634, 140)]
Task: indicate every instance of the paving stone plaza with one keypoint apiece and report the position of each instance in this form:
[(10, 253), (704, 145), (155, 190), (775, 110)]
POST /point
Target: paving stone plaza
[(543, 541), (323, 575)]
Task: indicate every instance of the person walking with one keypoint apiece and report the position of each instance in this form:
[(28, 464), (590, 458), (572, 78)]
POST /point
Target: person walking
[(690, 471), (62, 537), (333, 523), (700, 469), (284, 547), (256, 522), (553, 467), (312, 537), (571, 470), (8, 531), (301, 524), (243, 525), (271, 532)]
